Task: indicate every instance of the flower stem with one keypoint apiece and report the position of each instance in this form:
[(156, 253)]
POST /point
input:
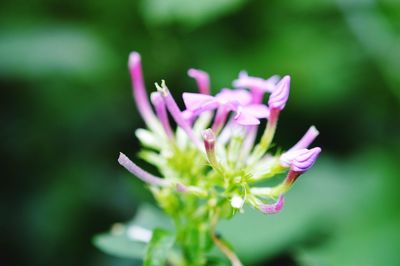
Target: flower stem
[(221, 245), (266, 138)]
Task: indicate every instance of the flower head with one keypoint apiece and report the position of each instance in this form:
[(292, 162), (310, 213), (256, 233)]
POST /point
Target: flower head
[(212, 153)]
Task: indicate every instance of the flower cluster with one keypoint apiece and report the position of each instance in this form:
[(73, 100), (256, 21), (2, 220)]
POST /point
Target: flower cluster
[(228, 145), (211, 164)]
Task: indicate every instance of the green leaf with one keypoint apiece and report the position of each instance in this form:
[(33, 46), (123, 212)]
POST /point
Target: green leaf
[(150, 218), (159, 247), (120, 246), (130, 240), (58, 50)]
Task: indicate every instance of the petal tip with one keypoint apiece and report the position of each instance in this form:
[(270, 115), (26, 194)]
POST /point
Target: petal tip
[(274, 207)]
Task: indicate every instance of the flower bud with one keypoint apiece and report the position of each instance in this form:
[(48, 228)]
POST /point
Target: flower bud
[(280, 95), (300, 160)]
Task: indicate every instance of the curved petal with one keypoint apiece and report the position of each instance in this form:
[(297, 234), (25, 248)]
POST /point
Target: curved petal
[(195, 101), (274, 207), (280, 94), (245, 119), (243, 97), (202, 79), (257, 110)]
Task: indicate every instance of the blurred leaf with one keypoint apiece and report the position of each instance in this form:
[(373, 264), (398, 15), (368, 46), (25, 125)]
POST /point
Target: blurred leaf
[(187, 12), (369, 234), (120, 246), (319, 204), (151, 217), (158, 248), (121, 241), (46, 51), (362, 243), (256, 236)]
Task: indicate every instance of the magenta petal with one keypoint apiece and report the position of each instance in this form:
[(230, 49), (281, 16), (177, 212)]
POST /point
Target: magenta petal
[(202, 80), (181, 188), (306, 140), (280, 95), (306, 160), (245, 119), (274, 207), (300, 160), (243, 97), (140, 173), (176, 113), (255, 83), (194, 101), (273, 80), (288, 157), (139, 90), (188, 115), (161, 112), (257, 110)]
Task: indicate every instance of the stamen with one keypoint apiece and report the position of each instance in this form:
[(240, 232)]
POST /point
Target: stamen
[(159, 104), (176, 113)]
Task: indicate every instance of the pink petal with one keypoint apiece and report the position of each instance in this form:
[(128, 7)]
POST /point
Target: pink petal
[(176, 113), (245, 119), (280, 95), (257, 110), (202, 80), (140, 173), (273, 208), (161, 111), (300, 160), (195, 101), (243, 97), (306, 140), (139, 90)]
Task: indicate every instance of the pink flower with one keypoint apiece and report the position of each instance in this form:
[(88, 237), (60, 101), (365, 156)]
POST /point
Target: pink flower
[(226, 142), (226, 101), (258, 86)]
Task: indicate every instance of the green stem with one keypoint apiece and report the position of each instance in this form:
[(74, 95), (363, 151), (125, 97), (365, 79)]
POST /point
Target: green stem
[(266, 138), (221, 245)]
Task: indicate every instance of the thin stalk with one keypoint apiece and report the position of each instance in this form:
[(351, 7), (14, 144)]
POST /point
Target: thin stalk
[(221, 245)]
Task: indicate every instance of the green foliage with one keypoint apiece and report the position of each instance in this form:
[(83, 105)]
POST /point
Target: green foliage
[(159, 248), (120, 246), (120, 241), (187, 12), (64, 50), (66, 112)]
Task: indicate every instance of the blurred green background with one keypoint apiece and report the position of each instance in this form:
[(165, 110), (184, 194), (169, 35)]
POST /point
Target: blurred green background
[(67, 110)]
